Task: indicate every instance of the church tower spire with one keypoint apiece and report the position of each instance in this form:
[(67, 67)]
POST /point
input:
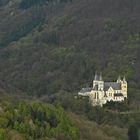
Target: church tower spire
[(100, 77), (124, 79), (124, 87), (96, 76), (98, 82), (119, 79)]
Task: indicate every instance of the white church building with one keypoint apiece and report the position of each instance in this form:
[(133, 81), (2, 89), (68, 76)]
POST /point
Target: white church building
[(101, 92)]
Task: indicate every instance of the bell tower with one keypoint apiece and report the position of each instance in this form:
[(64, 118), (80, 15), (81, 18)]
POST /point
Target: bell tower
[(98, 82), (124, 87)]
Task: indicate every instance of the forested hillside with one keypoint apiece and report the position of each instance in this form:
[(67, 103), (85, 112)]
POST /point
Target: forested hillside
[(54, 45), (49, 50), (35, 121)]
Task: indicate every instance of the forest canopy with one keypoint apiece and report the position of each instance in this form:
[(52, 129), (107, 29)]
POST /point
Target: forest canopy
[(25, 4), (36, 121)]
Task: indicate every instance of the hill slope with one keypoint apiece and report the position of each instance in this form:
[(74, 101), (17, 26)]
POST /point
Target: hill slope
[(58, 46)]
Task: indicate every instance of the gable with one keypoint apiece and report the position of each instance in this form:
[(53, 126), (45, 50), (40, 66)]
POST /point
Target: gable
[(110, 89), (113, 85)]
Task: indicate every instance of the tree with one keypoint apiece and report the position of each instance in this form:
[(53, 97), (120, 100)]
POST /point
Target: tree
[(133, 132), (2, 134)]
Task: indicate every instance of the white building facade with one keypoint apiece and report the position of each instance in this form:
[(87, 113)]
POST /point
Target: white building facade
[(101, 92)]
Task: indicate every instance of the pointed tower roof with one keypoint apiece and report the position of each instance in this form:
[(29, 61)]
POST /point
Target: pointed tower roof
[(100, 77), (96, 76), (124, 79), (119, 79)]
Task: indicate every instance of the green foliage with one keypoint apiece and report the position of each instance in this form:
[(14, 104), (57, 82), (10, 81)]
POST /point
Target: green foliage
[(118, 114), (110, 24), (67, 47), (3, 134), (51, 38), (36, 121), (121, 106), (27, 4), (133, 41), (92, 131), (20, 32), (133, 132), (63, 21), (3, 122), (51, 48)]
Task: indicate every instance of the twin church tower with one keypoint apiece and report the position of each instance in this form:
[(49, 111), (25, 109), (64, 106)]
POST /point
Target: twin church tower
[(101, 92)]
